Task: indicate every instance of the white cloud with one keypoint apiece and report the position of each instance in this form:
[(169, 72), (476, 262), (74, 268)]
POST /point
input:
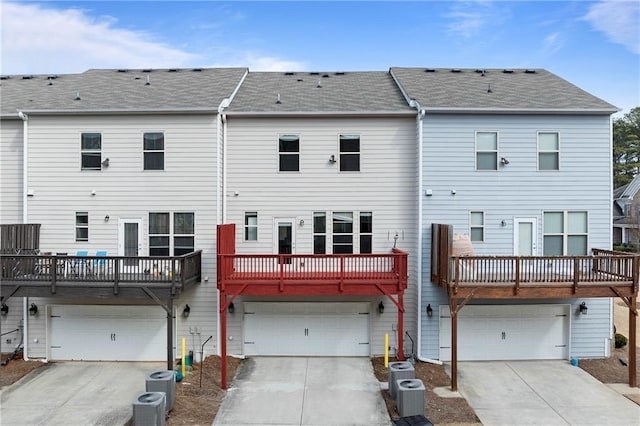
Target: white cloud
[(553, 42), (619, 20), (41, 40), (467, 20)]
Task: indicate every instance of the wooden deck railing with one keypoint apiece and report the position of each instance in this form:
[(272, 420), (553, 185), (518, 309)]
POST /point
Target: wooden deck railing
[(175, 271), (605, 268), (283, 268)]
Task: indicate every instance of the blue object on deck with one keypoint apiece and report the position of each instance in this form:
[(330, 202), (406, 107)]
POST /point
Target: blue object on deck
[(574, 361)]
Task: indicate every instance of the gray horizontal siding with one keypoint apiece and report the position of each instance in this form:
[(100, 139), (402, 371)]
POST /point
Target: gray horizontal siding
[(386, 185), (516, 190)]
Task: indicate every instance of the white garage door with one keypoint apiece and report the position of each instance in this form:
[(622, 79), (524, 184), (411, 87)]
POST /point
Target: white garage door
[(107, 333), (510, 332), (306, 329)]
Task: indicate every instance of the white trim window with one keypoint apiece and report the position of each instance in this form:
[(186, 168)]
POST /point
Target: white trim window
[(366, 232), (349, 153), (289, 153), (342, 233), (486, 150), (566, 233), (82, 226), (548, 151), (251, 226), (171, 233), (153, 150), (476, 226), (319, 232), (91, 151)]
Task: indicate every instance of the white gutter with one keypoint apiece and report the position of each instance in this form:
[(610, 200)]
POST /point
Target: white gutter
[(25, 139), (419, 119)]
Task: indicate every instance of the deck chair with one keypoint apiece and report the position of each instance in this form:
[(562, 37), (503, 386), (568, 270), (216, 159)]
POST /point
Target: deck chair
[(78, 265), (99, 265)]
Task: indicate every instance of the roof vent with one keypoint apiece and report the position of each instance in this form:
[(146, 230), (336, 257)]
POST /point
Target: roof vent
[(77, 98), (52, 77), (197, 70), (27, 77), (481, 72), (300, 79), (529, 71), (172, 70), (430, 70), (507, 71), (278, 100), (314, 73), (123, 70), (289, 73), (456, 70), (325, 75), (148, 83), (319, 84), (5, 77), (489, 89), (147, 70), (340, 73)]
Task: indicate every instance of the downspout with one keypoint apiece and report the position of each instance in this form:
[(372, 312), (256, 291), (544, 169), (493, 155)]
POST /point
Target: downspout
[(419, 121), (25, 139), (25, 328), (221, 185)]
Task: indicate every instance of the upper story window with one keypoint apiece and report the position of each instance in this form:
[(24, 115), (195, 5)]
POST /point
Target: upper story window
[(289, 149), (91, 151), (153, 147), (366, 232), (319, 232), (548, 151), (171, 234), (349, 153), (342, 232), (251, 226), (82, 226), (486, 151), (476, 226), (565, 233)]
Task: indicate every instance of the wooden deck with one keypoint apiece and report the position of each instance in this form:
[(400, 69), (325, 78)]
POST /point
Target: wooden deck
[(97, 276)]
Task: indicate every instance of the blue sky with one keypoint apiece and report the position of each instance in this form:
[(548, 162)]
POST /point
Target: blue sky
[(593, 44)]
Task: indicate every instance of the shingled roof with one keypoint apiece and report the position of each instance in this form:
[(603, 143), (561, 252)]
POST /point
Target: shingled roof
[(372, 92), (120, 90), (496, 90)]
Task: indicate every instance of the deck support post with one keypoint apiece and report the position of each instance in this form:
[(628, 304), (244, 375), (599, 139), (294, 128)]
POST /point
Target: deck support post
[(170, 334), (400, 354), (223, 340), (454, 345), (633, 359)]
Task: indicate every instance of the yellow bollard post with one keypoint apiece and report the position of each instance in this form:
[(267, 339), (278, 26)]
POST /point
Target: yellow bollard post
[(386, 350), (184, 357)]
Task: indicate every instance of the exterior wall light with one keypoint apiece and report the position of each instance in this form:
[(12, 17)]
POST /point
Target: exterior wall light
[(380, 308), (583, 308), (332, 159), (231, 308), (33, 309), (4, 309), (429, 310), (186, 311), (106, 218)]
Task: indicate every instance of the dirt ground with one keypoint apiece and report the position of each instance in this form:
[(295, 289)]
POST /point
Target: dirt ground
[(15, 369)]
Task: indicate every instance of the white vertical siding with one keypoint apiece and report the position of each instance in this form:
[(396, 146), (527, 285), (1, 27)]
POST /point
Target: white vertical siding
[(11, 171), (124, 190), (386, 185), (517, 190)]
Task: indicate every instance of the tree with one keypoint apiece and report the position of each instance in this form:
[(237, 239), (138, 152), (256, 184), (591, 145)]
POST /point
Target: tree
[(626, 147)]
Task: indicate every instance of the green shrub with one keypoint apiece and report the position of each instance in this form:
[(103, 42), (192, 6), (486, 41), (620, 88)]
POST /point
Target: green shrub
[(621, 341)]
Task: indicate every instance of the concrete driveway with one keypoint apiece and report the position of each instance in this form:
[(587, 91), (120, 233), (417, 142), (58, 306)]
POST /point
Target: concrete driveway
[(541, 392), (304, 391), (76, 393)]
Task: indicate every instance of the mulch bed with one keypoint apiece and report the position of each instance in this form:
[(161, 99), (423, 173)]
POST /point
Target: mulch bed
[(612, 369), (15, 369)]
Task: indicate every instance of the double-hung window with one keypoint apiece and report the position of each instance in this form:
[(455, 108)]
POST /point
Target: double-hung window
[(366, 232), (171, 234), (548, 151), (486, 151), (91, 151), (342, 232), (349, 153), (289, 151), (153, 151), (251, 226), (566, 233), (319, 232), (476, 226), (82, 226)]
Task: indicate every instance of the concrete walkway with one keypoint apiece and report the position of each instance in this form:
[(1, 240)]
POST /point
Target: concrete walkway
[(304, 391), (76, 393), (541, 392)]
